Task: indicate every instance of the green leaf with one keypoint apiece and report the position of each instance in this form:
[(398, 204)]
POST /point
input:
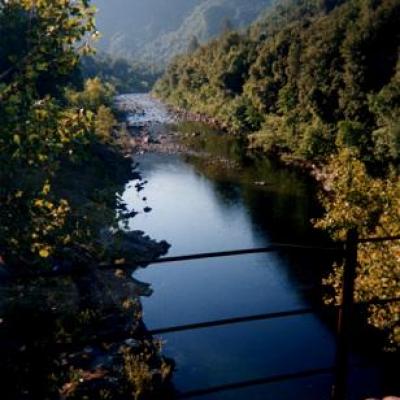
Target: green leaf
[(17, 139)]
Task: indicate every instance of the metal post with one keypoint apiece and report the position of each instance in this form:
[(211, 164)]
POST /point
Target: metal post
[(345, 317)]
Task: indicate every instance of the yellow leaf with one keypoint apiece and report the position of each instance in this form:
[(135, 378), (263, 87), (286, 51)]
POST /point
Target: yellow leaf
[(46, 188), (44, 253), (39, 203)]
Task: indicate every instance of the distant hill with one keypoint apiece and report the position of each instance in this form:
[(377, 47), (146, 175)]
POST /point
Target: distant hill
[(156, 30), (207, 20)]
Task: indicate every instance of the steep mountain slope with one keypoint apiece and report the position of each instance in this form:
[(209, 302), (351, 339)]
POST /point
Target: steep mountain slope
[(127, 24), (297, 74), (156, 30), (208, 20)]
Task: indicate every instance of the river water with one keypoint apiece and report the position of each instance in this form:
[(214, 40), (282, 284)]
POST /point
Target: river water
[(201, 205)]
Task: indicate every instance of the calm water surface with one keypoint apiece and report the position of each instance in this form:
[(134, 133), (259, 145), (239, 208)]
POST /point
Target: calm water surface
[(201, 207)]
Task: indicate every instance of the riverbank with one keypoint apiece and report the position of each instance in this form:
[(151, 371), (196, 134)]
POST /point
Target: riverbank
[(75, 330), (157, 128), (200, 205)]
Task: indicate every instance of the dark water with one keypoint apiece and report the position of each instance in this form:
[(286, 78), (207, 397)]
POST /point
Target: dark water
[(200, 206)]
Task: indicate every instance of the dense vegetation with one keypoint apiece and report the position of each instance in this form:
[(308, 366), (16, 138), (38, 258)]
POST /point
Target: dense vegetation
[(153, 31), (125, 76), (52, 121), (317, 80), (38, 127), (62, 173)]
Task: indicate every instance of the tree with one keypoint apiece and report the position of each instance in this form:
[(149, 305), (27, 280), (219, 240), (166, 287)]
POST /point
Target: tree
[(371, 205), (193, 44), (226, 26), (37, 129), (104, 123)]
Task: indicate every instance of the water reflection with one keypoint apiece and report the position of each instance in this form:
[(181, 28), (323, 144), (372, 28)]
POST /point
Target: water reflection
[(202, 205), (195, 214)]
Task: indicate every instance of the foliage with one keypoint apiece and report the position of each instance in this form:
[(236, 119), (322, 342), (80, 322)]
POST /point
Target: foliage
[(385, 106), (61, 182), (36, 129), (95, 94), (61, 212), (316, 64), (371, 205), (193, 44), (318, 80), (47, 128), (139, 372), (105, 123), (125, 76), (98, 98)]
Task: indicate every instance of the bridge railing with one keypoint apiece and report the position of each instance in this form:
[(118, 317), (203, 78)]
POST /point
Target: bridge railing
[(347, 249)]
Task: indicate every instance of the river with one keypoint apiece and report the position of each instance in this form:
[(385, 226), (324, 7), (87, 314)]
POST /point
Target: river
[(203, 205)]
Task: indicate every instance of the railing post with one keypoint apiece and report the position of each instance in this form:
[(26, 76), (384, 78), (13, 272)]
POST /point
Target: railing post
[(339, 391)]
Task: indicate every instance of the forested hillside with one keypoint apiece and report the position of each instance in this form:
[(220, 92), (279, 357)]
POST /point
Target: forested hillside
[(156, 30), (299, 75), (209, 19), (317, 80)]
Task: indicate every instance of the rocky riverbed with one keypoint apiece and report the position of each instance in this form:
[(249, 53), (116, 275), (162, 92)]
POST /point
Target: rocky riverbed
[(147, 120), (153, 127)]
